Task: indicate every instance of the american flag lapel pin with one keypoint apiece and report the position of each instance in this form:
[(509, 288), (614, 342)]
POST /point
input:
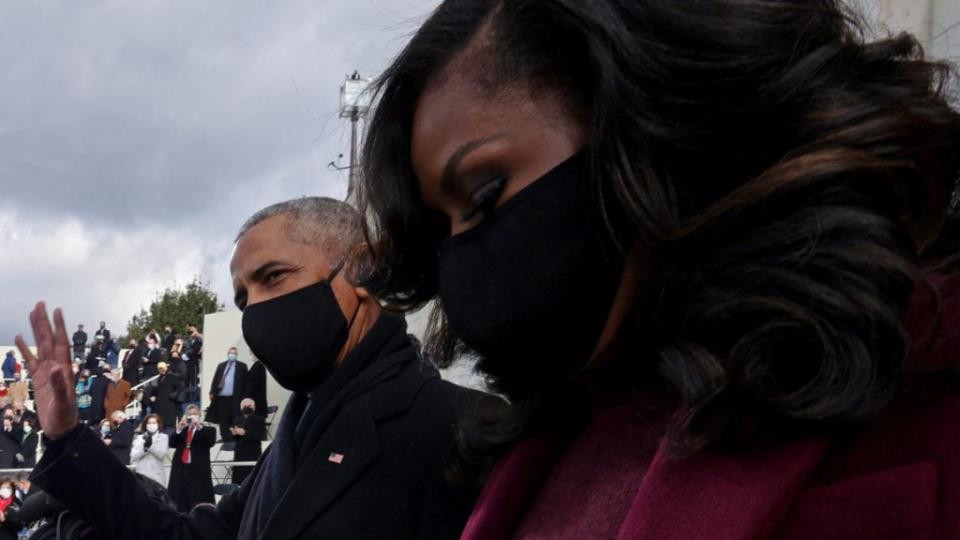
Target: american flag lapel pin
[(335, 458)]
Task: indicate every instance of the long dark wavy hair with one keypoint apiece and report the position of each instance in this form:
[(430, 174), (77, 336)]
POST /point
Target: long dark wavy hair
[(789, 177)]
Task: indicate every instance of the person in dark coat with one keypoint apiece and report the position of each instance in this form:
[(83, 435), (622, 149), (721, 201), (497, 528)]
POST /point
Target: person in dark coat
[(227, 390), (169, 338), (27, 436), (248, 432), (9, 441), (102, 332), (366, 441), (257, 387), (165, 397), (97, 356), (176, 365), (193, 355), (9, 366), (131, 363), (118, 435), (79, 342), (149, 360), (99, 383), (190, 477)]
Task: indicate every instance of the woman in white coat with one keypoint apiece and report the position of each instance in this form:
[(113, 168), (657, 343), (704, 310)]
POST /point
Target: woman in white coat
[(150, 449)]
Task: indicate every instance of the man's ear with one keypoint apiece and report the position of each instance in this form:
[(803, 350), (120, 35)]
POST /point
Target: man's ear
[(362, 293)]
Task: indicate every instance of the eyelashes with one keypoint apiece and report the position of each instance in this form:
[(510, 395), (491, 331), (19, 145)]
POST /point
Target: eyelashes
[(485, 198)]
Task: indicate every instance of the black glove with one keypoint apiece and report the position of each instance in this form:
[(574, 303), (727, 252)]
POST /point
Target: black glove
[(147, 441)]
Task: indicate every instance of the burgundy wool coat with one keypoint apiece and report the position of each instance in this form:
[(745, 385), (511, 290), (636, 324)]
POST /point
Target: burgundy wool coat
[(898, 477)]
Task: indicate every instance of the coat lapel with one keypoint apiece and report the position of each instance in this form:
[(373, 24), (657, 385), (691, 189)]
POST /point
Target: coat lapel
[(737, 497), (347, 448)]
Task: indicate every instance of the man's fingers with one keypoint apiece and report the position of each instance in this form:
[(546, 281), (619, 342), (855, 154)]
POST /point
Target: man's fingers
[(60, 327), (26, 354), (41, 329)]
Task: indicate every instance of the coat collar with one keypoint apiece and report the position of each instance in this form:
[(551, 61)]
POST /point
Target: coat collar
[(732, 497), (349, 446), (347, 449)]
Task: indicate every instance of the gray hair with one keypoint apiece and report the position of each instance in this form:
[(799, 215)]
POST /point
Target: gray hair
[(333, 226)]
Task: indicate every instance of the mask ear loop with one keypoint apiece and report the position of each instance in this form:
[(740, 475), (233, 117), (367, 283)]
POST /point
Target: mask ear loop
[(333, 275)]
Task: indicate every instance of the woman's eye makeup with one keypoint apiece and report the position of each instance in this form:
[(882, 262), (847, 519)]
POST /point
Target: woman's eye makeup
[(484, 199)]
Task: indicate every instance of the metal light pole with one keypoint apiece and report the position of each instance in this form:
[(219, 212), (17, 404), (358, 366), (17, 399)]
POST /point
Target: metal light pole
[(354, 105)]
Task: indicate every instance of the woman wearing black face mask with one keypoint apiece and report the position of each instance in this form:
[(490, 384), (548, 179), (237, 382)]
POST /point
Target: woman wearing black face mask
[(691, 247)]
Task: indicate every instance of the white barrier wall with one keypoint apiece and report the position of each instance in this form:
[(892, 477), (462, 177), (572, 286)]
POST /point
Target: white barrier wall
[(220, 332)]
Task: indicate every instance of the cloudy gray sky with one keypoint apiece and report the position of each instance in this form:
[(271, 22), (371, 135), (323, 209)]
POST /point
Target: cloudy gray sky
[(135, 137)]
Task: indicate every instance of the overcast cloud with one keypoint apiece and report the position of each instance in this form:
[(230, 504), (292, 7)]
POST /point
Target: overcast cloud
[(135, 137)]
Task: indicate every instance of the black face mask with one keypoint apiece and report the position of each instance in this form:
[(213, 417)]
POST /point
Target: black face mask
[(531, 287), (247, 411), (299, 335)]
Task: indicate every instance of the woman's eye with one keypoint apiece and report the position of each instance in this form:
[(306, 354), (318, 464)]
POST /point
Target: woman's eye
[(484, 199)]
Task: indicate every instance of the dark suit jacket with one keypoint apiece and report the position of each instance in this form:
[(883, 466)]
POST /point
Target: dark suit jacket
[(150, 366), (28, 448), (248, 447), (257, 387), (121, 442), (396, 439), (239, 388), (167, 391)]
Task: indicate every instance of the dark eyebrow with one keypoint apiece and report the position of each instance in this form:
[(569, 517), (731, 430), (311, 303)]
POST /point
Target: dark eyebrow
[(256, 276), (264, 269), (450, 169)]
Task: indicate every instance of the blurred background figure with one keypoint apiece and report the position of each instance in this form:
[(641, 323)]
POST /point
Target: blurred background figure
[(10, 367), (118, 393), (248, 431), (117, 433), (226, 393), (150, 449), (190, 476), (28, 440), (79, 342), (167, 394)]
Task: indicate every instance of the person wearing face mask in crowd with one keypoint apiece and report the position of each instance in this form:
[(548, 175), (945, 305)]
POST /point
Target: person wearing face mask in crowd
[(97, 357), (148, 362), (131, 362), (117, 433), (177, 366), (193, 354), (103, 333), (24, 414), (28, 440), (9, 506), (166, 394), (190, 481), (9, 441), (118, 393), (366, 445), (24, 486), (169, 338), (150, 449), (226, 392), (248, 431)]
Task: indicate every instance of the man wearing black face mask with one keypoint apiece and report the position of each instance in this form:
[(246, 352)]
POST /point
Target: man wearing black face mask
[(366, 441)]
